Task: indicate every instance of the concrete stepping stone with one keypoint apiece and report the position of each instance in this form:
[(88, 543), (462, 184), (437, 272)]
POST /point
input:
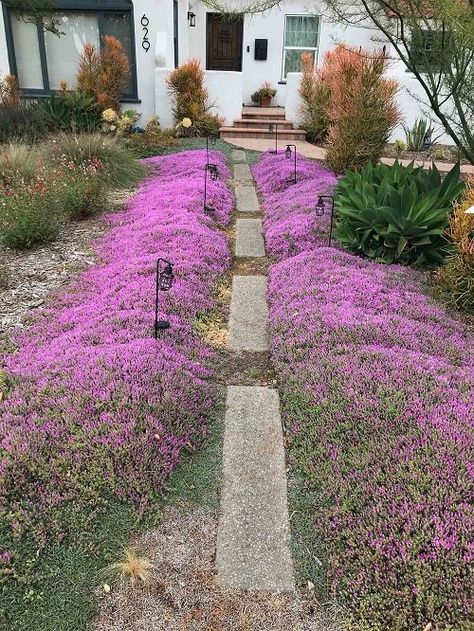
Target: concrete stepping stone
[(238, 155), (248, 314), (249, 241), (242, 173), (253, 541), (246, 199)]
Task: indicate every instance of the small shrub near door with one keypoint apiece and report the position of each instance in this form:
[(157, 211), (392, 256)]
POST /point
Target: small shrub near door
[(191, 100), (314, 101), (396, 214), (455, 279)]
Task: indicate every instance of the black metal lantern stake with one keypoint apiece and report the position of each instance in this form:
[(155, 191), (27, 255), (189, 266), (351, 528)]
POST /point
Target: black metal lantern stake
[(213, 139), (291, 179), (320, 206), (213, 171), (164, 282), (271, 127)]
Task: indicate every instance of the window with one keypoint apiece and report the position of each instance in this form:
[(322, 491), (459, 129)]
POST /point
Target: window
[(301, 36), (41, 60)]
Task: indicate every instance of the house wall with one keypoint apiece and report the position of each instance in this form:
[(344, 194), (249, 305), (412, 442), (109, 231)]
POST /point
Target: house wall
[(4, 65), (229, 90)]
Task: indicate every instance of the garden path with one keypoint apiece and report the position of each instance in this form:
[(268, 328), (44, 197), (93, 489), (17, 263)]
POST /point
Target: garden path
[(253, 542), (319, 153)]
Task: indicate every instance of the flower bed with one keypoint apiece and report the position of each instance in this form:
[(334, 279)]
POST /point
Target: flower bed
[(95, 406), (290, 222), (377, 383)]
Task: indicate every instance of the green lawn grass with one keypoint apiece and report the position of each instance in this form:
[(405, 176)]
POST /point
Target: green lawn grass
[(61, 597)]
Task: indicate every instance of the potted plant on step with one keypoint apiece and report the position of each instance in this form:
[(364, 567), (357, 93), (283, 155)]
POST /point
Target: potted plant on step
[(264, 95)]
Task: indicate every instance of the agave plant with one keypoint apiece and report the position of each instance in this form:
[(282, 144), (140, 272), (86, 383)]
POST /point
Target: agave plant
[(396, 213)]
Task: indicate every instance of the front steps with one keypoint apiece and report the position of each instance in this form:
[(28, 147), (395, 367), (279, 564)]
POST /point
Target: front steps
[(255, 122)]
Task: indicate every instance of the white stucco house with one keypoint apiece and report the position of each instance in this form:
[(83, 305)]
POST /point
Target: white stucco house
[(158, 35)]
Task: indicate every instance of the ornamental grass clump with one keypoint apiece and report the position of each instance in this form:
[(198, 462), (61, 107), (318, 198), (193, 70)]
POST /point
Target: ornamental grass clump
[(291, 223), (96, 407), (377, 385)]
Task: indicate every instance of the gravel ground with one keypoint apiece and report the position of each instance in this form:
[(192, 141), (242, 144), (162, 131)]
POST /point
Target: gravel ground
[(29, 276), (182, 593)]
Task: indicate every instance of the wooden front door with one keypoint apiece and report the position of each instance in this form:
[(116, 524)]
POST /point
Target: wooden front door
[(224, 42)]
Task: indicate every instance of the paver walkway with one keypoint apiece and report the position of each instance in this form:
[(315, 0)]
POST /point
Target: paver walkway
[(253, 541), (319, 153), (249, 240)]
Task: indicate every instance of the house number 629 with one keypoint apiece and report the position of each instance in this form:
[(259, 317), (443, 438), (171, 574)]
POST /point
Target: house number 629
[(145, 41)]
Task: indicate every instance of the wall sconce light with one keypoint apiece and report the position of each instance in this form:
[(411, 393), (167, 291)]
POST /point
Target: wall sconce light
[(164, 281), (191, 19)]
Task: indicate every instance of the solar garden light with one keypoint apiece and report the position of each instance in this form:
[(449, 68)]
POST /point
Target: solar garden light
[(271, 127), (164, 281), (291, 179), (320, 208), (213, 172)]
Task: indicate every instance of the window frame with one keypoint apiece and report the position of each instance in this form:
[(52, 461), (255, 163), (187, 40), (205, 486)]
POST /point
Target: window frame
[(98, 7), (314, 49)]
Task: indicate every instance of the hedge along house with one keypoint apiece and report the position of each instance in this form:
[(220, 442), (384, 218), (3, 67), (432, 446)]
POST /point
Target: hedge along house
[(238, 55)]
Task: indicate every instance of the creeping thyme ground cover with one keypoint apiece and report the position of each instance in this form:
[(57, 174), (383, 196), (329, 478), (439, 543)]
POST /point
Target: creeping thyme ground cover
[(94, 408), (377, 382)]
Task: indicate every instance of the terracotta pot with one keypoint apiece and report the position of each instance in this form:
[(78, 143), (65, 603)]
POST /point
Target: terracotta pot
[(265, 101)]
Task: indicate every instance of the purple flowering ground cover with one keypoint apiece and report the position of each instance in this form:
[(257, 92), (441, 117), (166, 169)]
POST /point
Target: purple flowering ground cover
[(95, 407), (377, 384)]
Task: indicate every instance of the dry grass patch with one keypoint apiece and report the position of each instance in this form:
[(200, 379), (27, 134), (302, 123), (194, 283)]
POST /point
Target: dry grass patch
[(182, 593)]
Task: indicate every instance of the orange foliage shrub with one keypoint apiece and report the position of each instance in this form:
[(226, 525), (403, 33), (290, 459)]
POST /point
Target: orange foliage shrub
[(191, 99), (362, 109), (10, 93), (104, 74)]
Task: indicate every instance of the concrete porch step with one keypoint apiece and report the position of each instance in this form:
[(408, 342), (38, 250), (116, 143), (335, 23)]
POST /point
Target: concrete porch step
[(261, 132), (263, 112), (251, 123)]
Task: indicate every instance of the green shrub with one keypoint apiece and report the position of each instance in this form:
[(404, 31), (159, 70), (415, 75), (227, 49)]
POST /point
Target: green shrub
[(120, 167), (455, 279), (74, 111), (84, 196), (396, 213), (455, 282), (153, 140), (20, 121), (29, 217), (314, 95)]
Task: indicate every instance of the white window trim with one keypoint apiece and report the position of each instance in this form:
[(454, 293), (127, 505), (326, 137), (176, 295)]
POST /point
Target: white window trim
[(314, 49)]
